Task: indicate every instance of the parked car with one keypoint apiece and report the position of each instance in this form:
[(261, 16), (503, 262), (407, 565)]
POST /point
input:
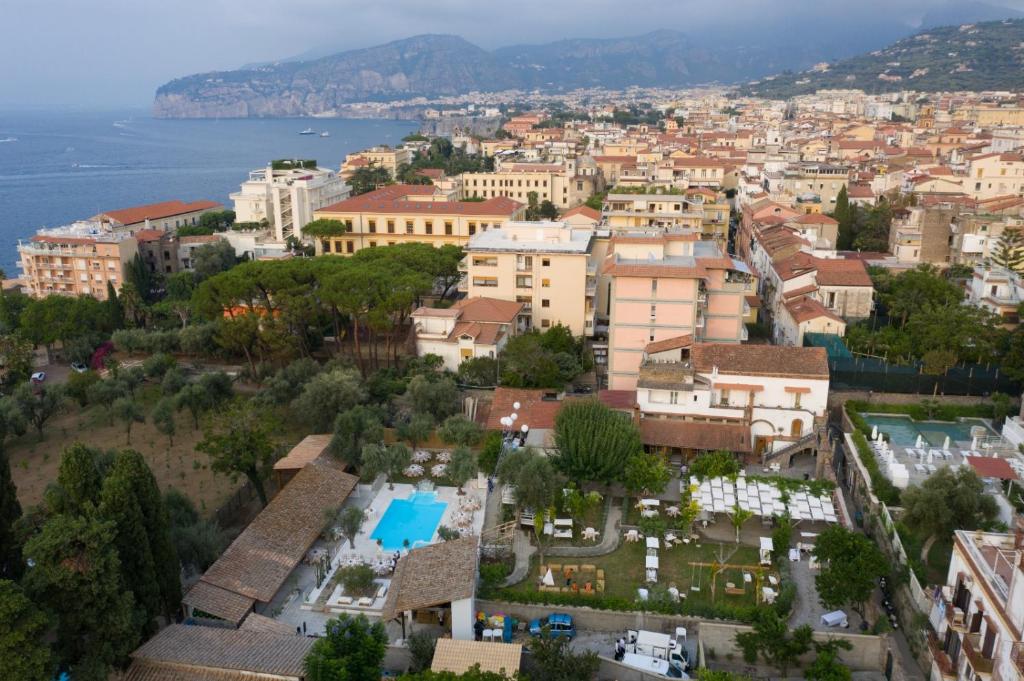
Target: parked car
[(38, 377), (557, 624), (79, 368)]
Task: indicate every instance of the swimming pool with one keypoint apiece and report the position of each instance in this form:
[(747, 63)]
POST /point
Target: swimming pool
[(903, 430), (414, 519)]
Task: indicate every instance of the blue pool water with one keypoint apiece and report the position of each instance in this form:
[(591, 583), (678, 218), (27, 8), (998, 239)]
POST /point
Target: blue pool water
[(903, 431), (415, 518)]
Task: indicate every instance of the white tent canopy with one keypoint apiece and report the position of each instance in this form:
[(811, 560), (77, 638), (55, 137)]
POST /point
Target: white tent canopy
[(721, 495)]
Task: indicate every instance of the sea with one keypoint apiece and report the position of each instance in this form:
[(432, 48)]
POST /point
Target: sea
[(58, 167)]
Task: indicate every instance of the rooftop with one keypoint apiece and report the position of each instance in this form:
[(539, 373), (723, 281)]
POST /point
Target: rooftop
[(536, 237), (396, 198), (155, 211), (761, 360), (458, 657), (433, 575)]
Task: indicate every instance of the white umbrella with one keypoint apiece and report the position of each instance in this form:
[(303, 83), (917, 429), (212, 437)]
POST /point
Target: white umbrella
[(945, 443), (874, 432), (549, 579), (920, 440)]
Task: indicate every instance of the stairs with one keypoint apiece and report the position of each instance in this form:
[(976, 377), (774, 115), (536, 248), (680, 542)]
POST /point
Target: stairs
[(805, 442)]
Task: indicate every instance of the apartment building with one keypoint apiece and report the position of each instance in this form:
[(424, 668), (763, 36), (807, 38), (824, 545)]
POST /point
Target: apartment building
[(472, 327), (401, 213), (629, 211), (76, 260), (388, 158), (665, 285), (286, 194), (977, 616), (998, 290), (991, 175), (559, 183), (755, 399), (548, 267), (816, 184), (164, 216), (159, 250), (924, 234)]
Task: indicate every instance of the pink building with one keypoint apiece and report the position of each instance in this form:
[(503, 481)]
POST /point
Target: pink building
[(665, 285)]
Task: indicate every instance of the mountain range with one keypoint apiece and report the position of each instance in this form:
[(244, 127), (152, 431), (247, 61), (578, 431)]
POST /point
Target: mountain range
[(441, 65), (982, 56)]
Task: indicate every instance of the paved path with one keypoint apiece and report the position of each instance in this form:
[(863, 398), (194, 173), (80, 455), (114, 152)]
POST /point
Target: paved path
[(523, 550), (609, 538)]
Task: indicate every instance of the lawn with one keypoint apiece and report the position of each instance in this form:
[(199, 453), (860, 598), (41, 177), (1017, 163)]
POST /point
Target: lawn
[(34, 462), (624, 571)]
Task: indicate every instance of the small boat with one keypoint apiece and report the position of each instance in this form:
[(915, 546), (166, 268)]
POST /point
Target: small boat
[(308, 131), (325, 134)]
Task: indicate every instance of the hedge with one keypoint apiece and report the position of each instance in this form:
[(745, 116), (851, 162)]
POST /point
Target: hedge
[(918, 412)]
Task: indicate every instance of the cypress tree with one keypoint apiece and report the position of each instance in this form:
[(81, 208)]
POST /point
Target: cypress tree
[(11, 564), (843, 214), (79, 481), (24, 653)]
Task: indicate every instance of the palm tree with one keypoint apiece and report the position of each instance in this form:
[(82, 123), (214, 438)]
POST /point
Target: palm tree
[(738, 517)]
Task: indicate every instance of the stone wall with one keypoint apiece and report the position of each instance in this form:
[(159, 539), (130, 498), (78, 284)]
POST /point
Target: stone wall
[(615, 622), (868, 652)]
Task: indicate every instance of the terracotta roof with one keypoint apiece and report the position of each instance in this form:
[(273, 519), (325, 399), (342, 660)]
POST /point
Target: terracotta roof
[(482, 334), (393, 199), (760, 360), (488, 310), (585, 211), (223, 603), (842, 272), (433, 575), (453, 655), (199, 649), (260, 559), (684, 341), (74, 240), (534, 410), (991, 467), (664, 375), (267, 625), (156, 211), (807, 308), (432, 173), (667, 432), (309, 449), (620, 400), (860, 191), (814, 219)]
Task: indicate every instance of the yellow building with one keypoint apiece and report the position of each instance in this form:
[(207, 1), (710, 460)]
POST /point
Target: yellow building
[(383, 157), (628, 211), (560, 184), (402, 213), (546, 266), (992, 175), (76, 260)]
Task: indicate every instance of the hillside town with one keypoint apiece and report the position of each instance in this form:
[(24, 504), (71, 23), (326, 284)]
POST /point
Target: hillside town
[(636, 385)]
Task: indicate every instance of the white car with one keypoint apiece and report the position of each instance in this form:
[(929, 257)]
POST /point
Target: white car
[(79, 368), (39, 377)]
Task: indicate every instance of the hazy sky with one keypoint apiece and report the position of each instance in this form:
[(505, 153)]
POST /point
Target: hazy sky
[(115, 53)]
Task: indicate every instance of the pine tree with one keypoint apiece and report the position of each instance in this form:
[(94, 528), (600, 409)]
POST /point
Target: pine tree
[(77, 579), (79, 481), (1009, 251), (24, 653), (11, 564)]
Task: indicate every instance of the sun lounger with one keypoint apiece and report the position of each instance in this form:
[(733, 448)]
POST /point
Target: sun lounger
[(345, 600), (365, 601)]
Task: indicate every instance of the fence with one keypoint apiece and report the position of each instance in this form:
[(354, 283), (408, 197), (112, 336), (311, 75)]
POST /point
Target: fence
[(872, 373)]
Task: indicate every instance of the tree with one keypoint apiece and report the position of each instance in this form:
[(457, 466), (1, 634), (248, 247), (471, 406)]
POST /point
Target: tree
[(437, 396), (458, 430), (421, 650), (947, 501), (24, 653), (239, 442), (827, 666), (843, 214), (355, 428), (390, 460), (851, 566), (368, 178), (351, 649), (212, 259), (350, 522), (533, 476), (163, 419), (197, 542), (478, 371), (39, 403), (646, 474), (1009, 250), (716, 464), (594, 443), (15, 358), (324, 227), (328, 394), (771, 638), (195, 399), (579, 504), (462, 467), (11, 561), (128, 410), (547, 210), (78, 386), (416, 429), (554, 659), (532, 207), (76, 564), (79, 481), (737, 517)]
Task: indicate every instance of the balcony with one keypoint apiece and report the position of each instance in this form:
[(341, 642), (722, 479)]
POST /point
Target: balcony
[(942, 661), (972, 649)]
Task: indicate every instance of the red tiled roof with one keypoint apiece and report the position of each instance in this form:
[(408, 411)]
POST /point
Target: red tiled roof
[(488, 310), (621, 400), (657, 432), (807, 308), (991, 467), (684, 341), (157, 211), (585, 211), (760, 360), (393, 199), (814, 219), (534, 410)]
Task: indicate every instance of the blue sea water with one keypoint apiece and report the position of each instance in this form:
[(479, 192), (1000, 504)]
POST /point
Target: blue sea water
[(414, 519), (57, 167)]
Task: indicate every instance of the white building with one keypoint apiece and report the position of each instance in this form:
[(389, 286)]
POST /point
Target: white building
[(285, 194), (759, 398), (998, 290), (472, 327), (978, 615)]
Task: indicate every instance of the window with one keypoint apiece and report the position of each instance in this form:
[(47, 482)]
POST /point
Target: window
[(391, 226), (350, 247), (673, 397), (372, 226), (796, 400), (485, 281), (373, 244), (485, 262), (472, 228), (429, 227), (654, 287), (545, 283), (408, 227), (448, 228), (545, 323), (167, 255), (327, 246), (545, 302), (654, 312), (546, 262), (524, 281)]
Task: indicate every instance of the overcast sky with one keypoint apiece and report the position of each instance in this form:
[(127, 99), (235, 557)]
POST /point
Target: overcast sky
[(115, 53)]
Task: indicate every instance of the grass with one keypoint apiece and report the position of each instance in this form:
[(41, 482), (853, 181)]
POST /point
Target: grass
[(624, 572), (935, 570)]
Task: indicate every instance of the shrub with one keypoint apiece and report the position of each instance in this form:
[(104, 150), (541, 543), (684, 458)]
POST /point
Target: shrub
[(490, 451), (492, 575), (357, 579), (155, 366), (79, 384)]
